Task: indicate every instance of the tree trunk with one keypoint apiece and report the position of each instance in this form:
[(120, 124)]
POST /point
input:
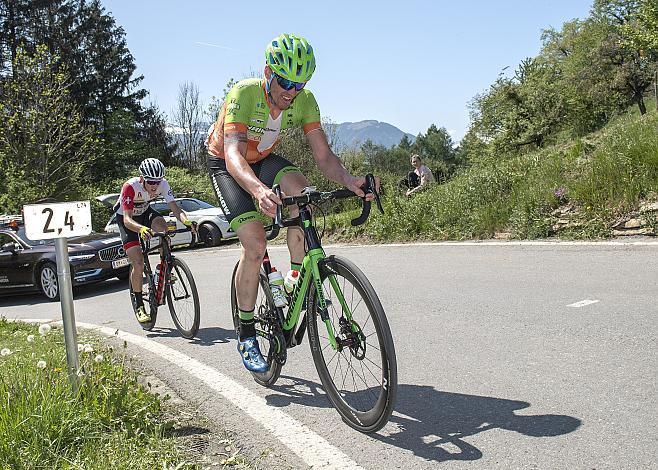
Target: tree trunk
[(637, 97)]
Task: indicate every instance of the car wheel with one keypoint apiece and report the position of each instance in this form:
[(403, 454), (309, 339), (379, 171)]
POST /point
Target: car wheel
[(48, 283), (210, 235)]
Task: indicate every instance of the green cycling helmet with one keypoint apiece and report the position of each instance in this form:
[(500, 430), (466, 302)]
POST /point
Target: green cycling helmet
[(291, 57)]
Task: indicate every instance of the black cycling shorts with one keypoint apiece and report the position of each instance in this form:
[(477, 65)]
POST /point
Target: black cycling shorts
[(237, 204), (130, 238)]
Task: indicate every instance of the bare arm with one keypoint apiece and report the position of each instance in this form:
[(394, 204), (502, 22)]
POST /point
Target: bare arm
[(331, 166), (425, 179), (176, 210), (129, 222)]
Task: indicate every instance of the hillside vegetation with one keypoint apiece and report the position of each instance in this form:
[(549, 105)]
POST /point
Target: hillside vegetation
[(581, 188)]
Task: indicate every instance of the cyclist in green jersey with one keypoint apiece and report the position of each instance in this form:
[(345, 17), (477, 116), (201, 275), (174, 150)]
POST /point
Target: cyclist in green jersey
[(243, 168)]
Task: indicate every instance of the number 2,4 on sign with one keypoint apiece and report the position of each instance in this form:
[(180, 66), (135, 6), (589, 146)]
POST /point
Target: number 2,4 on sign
[(59, 219)]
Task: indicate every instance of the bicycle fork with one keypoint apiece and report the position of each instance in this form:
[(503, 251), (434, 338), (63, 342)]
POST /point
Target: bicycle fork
[(310, 272)]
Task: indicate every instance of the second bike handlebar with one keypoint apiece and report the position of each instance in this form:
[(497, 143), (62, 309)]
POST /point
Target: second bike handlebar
[(311, 196)]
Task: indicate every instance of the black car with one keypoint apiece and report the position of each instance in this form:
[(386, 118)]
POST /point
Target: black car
[(27, 265)]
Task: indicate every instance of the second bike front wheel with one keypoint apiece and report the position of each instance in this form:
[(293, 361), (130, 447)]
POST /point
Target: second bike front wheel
[(183, 299), (267, 341), (360, 376)]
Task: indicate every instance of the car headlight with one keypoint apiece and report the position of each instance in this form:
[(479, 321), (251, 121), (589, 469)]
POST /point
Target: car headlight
[(81, 257)]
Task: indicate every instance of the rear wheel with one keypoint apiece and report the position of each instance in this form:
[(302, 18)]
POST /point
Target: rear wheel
[(360, 376), (183, 299), (268, 341)]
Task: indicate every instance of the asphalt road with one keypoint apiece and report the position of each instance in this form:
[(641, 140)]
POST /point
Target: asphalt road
[(499, 366)]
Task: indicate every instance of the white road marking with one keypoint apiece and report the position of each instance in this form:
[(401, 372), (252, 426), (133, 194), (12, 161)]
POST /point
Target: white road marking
[(312, 448), (583, 303), (607, 243)]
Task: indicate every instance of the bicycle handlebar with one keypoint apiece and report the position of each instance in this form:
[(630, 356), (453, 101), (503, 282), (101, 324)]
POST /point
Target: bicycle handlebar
[(163, 235), (316, 196)]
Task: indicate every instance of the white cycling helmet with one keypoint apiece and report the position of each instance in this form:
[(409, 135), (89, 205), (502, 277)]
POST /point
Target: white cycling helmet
[(152, 168)]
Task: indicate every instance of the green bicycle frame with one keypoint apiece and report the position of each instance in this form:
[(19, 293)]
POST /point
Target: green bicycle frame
[(310, 272)]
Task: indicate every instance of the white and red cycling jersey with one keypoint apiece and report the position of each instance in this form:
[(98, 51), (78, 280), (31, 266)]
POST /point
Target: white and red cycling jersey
[(135, 197)]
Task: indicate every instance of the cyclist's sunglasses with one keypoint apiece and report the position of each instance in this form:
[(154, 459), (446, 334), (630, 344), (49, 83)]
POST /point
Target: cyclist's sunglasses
[(153, 182), (289, 84)]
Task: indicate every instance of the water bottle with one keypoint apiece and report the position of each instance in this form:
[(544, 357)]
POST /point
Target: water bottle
[(276, 285), (290, 281)]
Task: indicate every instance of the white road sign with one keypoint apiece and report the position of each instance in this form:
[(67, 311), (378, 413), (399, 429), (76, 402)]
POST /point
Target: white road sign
[(57, 220)]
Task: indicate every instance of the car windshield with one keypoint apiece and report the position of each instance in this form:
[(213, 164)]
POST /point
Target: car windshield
[(22, 236)]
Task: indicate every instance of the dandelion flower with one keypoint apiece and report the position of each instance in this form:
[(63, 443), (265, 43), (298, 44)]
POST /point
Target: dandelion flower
[(41, 364), (5, 352), (30, 338), (44, 329), (98, 358)]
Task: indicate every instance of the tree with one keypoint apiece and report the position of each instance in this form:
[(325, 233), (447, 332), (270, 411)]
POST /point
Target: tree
[(44, 145), (187, 118), (631, 69)]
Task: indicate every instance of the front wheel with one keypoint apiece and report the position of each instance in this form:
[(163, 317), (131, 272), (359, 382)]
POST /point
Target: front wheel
[(183, 299), (268, 341), (48, 282), (360, 375)]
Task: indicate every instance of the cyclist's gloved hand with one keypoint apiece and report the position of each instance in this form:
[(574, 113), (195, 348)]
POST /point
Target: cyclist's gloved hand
[(145, 233)]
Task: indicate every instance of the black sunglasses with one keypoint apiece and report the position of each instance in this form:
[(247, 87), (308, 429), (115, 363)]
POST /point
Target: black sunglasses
[(289, 84)]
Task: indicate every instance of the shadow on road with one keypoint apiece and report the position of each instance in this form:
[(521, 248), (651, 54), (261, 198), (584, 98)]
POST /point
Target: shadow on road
[(109, 286), (205, 336), (433, 424)]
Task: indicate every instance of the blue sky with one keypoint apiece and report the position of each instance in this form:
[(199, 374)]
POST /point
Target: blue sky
[(409, 63)]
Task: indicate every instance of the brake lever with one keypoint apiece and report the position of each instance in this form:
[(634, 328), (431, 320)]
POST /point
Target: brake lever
[(371, 184), (278, 218), (276, 226)]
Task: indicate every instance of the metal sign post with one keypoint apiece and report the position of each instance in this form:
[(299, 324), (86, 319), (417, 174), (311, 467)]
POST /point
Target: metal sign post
[(59, 221)]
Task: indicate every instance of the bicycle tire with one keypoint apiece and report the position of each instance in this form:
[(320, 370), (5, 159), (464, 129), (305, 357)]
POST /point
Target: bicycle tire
[(181, 270), (148, 302), (368, 418), (264, 303)]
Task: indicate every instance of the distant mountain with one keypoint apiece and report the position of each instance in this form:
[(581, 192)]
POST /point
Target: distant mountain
[(353, 134), (348, 135)]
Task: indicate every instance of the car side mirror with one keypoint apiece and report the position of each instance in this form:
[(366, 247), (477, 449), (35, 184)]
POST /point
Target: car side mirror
[(10, 247)]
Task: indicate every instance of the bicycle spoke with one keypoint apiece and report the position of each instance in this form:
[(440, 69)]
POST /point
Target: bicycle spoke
[(374, 364)]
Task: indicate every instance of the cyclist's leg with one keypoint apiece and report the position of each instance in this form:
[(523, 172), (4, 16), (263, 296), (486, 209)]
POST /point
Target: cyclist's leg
[(133, 250), (153, 220), (240, 211), (158, 224), (278, 170), (134, 253)]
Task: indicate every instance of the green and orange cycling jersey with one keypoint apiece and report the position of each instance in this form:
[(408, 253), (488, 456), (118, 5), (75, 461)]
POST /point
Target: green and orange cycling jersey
[(247, 109)]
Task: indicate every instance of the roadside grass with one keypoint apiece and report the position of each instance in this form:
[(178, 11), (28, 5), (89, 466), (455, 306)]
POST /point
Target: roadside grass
[(598, 179), (112, 422)]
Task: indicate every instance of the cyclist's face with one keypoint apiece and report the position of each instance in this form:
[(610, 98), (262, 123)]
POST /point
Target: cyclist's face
[(282, 98), (151, 186)]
